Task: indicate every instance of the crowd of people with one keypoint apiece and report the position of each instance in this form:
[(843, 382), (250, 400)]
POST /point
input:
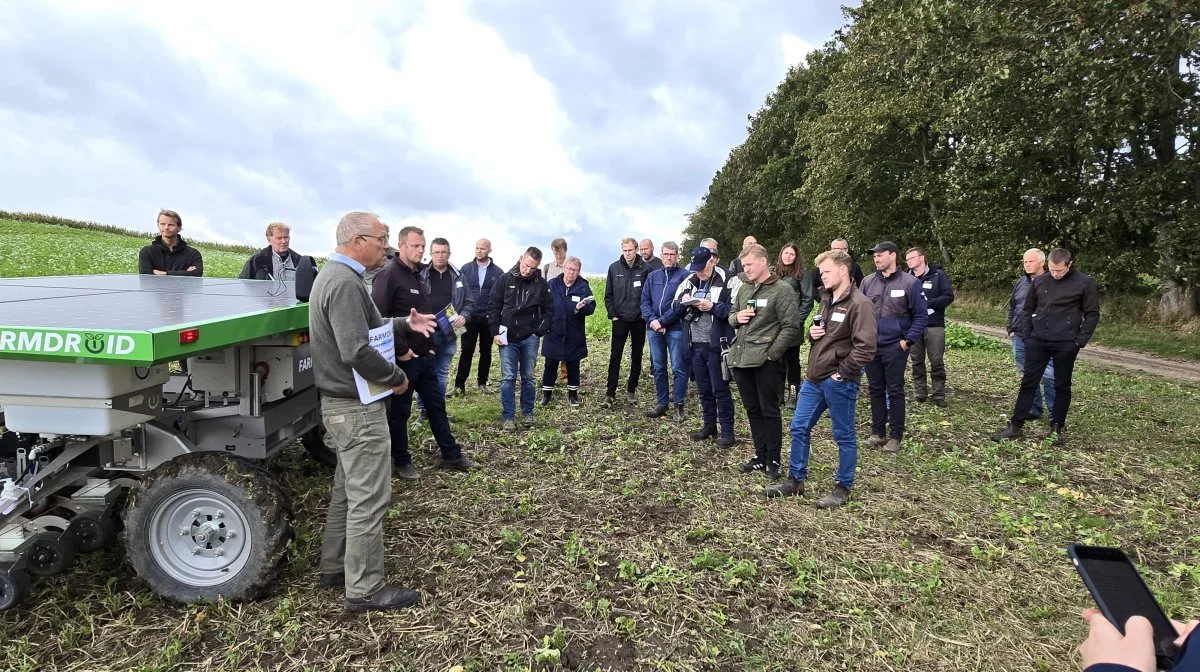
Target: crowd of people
[(708, 325)]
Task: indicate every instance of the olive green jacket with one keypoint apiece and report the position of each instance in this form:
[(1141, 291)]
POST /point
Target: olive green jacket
[(776, 326)]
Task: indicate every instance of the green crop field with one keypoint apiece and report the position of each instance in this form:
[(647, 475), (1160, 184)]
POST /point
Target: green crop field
[(604, 540)]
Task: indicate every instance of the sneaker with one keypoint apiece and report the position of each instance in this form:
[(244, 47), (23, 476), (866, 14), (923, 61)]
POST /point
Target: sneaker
[(892, 446), (406, 472), (876, 441), (939, 402), (753, 465), (527, 421), (545, 400), (384, 599), (1011, 431), (789, 488), (484, 389), (656, 412), (772, 472), (678, 417), (573, 398), (458, 391), (631, 398), (463, 463), (839, 496), (726, 440), (333, 580), (509, 426), (610, 399), (705, 432)]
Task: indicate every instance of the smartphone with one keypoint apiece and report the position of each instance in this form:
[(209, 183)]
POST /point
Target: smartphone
[(1120, 593)]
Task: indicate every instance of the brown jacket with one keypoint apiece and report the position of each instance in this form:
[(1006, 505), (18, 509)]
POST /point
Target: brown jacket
[(849, 340)]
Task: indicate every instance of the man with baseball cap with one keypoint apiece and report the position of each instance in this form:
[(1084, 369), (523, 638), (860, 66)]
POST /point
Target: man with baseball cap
[(704, 299), (901, 313)]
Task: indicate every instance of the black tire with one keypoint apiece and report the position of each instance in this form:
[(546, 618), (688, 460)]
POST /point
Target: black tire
[(190, 511), (318, 449), (50, 553), (92, 532), (14, 587)]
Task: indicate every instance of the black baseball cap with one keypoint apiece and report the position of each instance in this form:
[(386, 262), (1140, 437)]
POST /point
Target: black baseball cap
[(886, 246)]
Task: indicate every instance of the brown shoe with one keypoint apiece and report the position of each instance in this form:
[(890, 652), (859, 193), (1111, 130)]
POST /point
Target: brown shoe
[(789, 488), (463, 463), (876, 441), (839, 496), (406, 472), (892, 446)]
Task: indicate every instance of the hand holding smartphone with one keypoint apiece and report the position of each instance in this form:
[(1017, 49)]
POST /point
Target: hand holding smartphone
[(1120, 593)]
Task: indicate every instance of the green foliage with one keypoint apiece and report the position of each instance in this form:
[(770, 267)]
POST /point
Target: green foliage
[(960, 337), (979, 130)]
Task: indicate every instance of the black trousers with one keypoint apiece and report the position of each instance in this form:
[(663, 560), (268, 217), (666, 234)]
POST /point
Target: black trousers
[(476, 330), (885, 379), (423, 381), (550, 374), (761, 389), (635, 332), (791, 357), (1038, 354)]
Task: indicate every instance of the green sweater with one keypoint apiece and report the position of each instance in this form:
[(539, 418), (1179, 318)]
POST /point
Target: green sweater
[(775, 327), (340, 313)]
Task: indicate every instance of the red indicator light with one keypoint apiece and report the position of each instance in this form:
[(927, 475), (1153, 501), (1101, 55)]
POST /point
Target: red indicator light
[(189, 336)]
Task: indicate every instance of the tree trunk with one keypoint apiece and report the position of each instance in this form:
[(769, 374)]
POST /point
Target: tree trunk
[(1180, 301)]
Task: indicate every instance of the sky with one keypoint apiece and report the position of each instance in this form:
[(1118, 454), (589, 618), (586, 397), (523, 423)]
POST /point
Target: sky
[(515, 120)]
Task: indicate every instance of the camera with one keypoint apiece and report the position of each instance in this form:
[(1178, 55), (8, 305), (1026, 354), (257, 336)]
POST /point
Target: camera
[(691, 314)]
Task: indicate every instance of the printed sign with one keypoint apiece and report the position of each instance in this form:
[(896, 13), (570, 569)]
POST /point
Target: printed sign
[(73, 344)]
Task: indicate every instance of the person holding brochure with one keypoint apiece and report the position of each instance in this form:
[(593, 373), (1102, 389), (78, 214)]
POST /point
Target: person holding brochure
[(397, 289), (340, 316), (520, 313), (447, 294), (703, 301), (567, 340)]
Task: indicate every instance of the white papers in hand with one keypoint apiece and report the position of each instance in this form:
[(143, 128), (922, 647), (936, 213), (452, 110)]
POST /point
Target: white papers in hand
[(384, 342)]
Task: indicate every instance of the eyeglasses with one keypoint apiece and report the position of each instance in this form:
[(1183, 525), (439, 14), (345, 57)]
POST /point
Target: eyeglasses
[(382, 238)]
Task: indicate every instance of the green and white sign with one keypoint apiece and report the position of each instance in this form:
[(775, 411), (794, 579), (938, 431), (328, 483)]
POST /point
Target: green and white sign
[(73, 344)]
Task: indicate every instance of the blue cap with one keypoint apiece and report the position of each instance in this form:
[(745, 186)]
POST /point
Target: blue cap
[(700, 257)]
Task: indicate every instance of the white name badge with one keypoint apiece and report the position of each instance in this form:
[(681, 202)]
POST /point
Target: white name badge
[(929, 311), (637, 283), (897, 293), (574, 299), (838, 317), (458, 284), (414, 291), (927, 285), (760, 303)]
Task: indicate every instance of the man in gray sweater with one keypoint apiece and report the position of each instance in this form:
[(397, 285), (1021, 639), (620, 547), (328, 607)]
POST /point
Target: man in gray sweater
[(340, 315)]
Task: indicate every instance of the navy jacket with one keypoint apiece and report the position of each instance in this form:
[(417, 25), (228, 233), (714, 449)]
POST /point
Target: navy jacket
[(900, 307), (567, 340), (481, 297), (939, 293), (658, 295)]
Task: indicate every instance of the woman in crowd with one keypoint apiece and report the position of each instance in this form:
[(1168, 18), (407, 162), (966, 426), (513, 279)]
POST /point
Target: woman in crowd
[(790, 268), (567, 340)]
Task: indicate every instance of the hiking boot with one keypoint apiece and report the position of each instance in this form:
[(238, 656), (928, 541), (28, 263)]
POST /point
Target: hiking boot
[(753, 465), (545, 400), (631, 398), (875, 441), (573, 398), (609, 400), (463, 463), (772, 473), (384, 599), (406, 472), (839, 496), (484, 389), (726, 440), (789, 488), (892, 446), (458, 391), (678, 417), (1011, 431), (1059, 433), (332, 580), (527, 421), (705, 432), (939, 402), (509, 426), (657, 411)]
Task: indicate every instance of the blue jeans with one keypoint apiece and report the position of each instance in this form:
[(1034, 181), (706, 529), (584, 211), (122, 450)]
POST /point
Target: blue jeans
[(522, 354), (672, 344), (838, 397), (445, 354), (1035, 411)]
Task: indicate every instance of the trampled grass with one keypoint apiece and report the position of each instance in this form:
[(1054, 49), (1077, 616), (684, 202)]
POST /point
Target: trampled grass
[(603, 540)]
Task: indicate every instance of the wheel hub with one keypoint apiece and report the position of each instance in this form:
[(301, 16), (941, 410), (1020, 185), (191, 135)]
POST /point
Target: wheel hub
[(199, 538)]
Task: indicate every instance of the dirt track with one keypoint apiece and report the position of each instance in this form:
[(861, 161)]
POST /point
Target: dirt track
[(1121, 359)]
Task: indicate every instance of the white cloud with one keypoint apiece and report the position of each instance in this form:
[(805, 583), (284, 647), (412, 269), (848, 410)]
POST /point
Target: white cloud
[(795, 49)]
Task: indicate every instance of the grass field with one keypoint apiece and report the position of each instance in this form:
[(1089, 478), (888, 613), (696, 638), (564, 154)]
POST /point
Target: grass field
[(604, 540)]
